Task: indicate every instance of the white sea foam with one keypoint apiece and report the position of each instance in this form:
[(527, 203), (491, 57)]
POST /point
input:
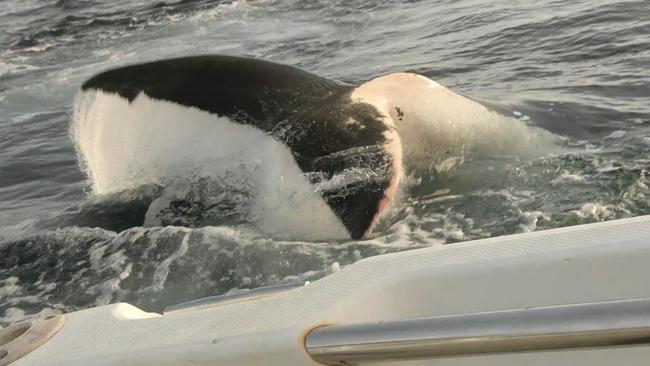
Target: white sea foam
[(569, 178), (10, 69), (529, 220), (616, 134)]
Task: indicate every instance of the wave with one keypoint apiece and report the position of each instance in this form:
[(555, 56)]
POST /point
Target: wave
[(71, 21), (73, 268)]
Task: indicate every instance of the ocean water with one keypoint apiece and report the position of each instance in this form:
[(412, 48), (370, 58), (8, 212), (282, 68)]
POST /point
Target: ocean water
[(578, 69)]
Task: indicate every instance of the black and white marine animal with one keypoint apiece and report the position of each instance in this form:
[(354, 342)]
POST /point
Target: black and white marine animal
[(325, 158)]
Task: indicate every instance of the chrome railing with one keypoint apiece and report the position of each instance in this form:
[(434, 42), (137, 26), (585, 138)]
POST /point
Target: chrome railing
[(602, 324)]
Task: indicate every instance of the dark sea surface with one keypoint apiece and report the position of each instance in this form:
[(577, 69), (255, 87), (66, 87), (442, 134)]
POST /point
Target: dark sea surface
[(580, 69)]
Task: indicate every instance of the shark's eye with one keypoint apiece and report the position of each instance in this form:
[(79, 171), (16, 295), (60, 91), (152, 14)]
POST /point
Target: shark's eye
[(400, 113)]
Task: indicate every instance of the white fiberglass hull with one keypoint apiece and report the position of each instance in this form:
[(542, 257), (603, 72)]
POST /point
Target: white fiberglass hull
[(583, 264)]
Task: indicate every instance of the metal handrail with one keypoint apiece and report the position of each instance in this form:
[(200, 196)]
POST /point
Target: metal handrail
[(600, 324)]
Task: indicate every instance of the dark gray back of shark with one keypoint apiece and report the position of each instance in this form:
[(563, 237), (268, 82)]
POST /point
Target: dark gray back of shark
[(308, 113)]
